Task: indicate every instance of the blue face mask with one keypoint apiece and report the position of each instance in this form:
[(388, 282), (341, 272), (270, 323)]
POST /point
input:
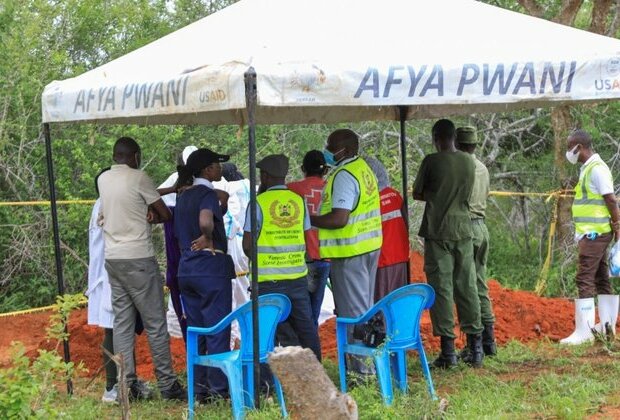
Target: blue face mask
[(330, 158)]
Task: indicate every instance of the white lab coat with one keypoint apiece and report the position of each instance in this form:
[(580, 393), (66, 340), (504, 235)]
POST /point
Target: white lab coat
[(99, 293)]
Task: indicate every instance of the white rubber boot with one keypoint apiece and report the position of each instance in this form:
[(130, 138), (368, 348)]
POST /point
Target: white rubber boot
[(607, 312), (584, 320)]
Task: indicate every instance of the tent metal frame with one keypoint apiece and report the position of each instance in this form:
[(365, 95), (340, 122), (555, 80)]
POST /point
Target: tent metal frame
[(57, 252), (251, 95), (251, 103)]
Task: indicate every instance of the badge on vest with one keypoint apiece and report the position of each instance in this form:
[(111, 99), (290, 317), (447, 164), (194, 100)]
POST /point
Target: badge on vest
[(284, 214), (369, 182)]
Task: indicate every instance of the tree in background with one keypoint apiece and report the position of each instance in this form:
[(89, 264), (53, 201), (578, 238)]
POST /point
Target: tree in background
[(45, 40), (603, 16)]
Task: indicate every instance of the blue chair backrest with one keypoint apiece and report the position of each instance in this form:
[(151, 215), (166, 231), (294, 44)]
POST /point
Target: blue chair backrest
[(272, 309), (402, 310)]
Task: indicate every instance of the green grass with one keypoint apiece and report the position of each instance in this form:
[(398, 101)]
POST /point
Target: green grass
[(540, 380)]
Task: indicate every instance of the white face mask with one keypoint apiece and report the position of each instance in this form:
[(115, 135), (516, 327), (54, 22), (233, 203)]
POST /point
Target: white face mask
[(573, 155)]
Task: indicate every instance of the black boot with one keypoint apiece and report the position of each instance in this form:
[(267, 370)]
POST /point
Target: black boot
[(474, 354), (488, 340), (447, 358)]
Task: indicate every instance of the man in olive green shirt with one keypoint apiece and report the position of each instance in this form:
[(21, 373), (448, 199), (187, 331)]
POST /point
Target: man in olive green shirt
[(466, 141), (445, 181)]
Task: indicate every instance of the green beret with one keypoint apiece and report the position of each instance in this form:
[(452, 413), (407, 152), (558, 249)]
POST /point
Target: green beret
[(466, 135)]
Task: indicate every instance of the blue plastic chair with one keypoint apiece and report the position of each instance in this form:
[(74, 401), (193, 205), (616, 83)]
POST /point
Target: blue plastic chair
[(402, 310), (238, 364)]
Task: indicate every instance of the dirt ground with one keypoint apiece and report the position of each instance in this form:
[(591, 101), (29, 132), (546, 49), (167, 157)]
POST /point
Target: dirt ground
[(520, 316)]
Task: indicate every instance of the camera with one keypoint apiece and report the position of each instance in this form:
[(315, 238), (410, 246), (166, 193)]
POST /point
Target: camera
[(371, 333)]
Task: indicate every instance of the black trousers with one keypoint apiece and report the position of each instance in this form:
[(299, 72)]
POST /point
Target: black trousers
[(300, 318)]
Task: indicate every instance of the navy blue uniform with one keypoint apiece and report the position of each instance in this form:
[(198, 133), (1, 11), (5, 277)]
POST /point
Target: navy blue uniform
[(204, 281)]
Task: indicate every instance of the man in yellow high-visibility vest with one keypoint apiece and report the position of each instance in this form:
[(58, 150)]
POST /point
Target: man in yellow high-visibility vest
[(350, 229), (282, 219), (597, 223)]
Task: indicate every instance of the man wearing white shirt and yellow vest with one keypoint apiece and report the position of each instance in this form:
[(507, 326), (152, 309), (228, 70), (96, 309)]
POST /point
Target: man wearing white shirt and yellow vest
[(282, 219), (597, 223), (350, 229)]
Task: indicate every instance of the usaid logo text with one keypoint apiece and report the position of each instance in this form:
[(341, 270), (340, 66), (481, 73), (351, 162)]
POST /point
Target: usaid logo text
[(611, 69)]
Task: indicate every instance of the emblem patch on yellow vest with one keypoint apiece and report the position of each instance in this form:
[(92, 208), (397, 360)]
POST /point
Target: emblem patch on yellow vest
[(369, 182), (284, 214), (325, 196)]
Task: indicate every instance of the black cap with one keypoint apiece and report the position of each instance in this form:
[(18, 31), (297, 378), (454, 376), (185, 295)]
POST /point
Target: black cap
[(202, 158), (314, 162), (274, 165)]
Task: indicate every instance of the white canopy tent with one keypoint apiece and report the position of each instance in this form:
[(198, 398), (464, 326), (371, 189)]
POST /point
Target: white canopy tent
[(344, 60), (322, 61)]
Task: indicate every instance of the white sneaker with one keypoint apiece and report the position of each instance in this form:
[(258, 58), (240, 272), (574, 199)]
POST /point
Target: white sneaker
[(110, 396)]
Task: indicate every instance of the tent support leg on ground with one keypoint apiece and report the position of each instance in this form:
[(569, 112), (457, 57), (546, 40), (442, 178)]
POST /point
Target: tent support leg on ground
[(57, 253), (251, 100), (402, 111)]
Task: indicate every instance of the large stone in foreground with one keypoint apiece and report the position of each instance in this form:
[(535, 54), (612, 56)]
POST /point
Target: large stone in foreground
[(308, 391)]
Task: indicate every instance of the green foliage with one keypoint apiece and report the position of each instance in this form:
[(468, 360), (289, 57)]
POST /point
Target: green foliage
[(21, 385), (29, 390), (58, 321), (45, 40), (538, 380)]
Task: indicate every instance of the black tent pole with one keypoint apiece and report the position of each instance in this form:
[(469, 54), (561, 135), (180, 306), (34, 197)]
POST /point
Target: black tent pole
[(403, 162), (57, 251), (251, 99)]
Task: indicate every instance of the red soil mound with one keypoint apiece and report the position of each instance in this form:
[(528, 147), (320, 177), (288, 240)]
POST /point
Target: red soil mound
[(29, 329), (416, 268), (85, 342), (520, 315)]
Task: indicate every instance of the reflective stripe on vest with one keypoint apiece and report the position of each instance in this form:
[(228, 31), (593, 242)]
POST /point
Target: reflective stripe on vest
[(362, 233), (351, 241), (590, 213), (391, 215), (281, 242), (395, 248), (287, 273), (281, 249)]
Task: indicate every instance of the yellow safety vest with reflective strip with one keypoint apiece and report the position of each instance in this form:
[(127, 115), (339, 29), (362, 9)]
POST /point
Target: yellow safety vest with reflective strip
[(362, 234), (281, 241), (590, 213)]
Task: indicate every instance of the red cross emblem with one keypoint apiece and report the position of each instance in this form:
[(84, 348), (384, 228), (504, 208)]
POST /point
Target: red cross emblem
[(313, 201)]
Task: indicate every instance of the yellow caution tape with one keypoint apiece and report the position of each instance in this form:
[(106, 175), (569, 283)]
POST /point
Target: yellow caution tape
[(40, 309), (43, 203), (532, 194), (493, 193), (540, 285), (29, 311)]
